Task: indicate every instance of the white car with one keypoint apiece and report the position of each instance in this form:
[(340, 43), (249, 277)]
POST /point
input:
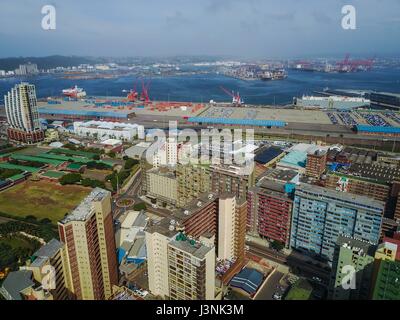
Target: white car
[(277, 296)]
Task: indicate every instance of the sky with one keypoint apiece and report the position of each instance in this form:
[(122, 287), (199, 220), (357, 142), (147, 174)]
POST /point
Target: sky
[(242, 28)]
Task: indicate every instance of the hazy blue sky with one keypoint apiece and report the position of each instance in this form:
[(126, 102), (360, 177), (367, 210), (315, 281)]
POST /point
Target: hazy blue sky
[(253, 28)]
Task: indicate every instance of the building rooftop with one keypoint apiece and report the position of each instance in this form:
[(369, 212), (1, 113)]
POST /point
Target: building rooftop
[(85, 208), (166, 227), (359, 247), (281, 175), (353, 199), (248, 280), (191, 247), (49, 250), (16, 282), (376, 172), (295, 158), (193, 206), (267, 154)]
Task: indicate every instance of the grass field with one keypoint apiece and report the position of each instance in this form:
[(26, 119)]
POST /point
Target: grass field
[(41, 199), (300, 291)]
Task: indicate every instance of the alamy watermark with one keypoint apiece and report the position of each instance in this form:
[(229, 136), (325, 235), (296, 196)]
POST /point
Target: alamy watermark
[(49, 19), (349, 19)]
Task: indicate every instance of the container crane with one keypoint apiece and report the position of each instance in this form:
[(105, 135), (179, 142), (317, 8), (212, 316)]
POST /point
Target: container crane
[(236, 99)]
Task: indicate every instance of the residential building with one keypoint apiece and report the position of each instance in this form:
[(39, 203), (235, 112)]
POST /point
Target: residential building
[(22, 114), (179, 268), (21, 285), (269, 210), (50, 255), (387, 270), (352, 269), (193, 180), (88, 235), (378, 190), (162, 185), (232, 179), (320, 215), (191, 270), (316, 163), (231, 227)]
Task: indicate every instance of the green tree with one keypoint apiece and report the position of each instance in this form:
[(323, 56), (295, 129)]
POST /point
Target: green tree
[(70, 178)]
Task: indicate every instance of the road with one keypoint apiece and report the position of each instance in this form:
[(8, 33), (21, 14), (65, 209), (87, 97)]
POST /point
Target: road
[(132, 193), (295, 261), (268, 288)]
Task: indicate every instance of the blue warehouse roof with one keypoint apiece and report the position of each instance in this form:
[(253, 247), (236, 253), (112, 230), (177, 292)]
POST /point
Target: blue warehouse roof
[(377, 129), (83, 113), (243, 122), (248, 280)]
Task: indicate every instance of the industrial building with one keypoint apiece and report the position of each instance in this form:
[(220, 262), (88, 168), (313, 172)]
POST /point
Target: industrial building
[(377, 130), (103, 130)]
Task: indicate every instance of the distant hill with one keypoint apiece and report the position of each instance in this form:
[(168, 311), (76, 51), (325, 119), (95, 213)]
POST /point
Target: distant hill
[(46, 62)]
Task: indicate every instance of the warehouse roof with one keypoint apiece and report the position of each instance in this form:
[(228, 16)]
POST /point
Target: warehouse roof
[(16, 166), (248, 280), (243, 122), (377, 129), (115, 114), (36, 159), (268, 154)]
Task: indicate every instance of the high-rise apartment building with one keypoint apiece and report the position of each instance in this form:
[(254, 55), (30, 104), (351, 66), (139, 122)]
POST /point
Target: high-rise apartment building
[(316, 163), (179, 268), (320, 215), (200, 216), (162, 185), (231, 227), (352, 269), (22, 114), (232, 179), (193, 180), (269, 210), (191, 270), (88, 235)]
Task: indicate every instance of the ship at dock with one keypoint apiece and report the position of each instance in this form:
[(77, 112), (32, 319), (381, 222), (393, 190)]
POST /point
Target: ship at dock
[(331, 102), (74, 92)]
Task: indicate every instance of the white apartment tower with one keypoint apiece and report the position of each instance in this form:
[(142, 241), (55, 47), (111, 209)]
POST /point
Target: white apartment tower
[(22, 114)]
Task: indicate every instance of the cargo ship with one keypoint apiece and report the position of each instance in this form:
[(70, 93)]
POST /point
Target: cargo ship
[(273, 75), (74, 92), (331, 102)]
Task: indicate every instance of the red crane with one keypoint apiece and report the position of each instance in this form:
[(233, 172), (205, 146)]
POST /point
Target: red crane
[(145, 92), (132, 95), (348, 65), (236, 99)]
